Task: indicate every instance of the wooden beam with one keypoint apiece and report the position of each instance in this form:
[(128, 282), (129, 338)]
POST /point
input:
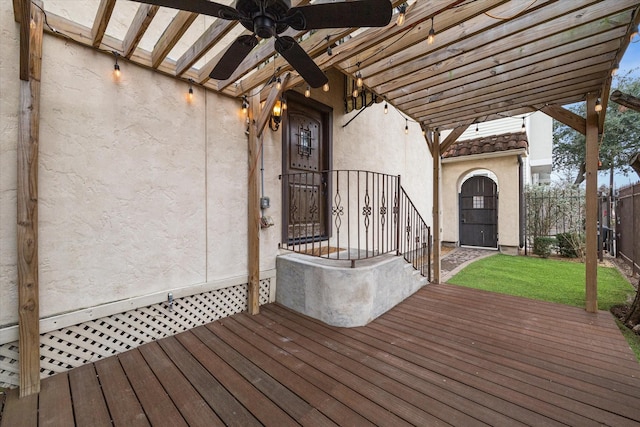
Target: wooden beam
[(628, 101), (178, 26), (591, 222), (253, 199), (22, 12), (141, 22), (435, 153), (454, 135), (206, 41), (27, 212), (604, 102), (101, 21), (566, 117)]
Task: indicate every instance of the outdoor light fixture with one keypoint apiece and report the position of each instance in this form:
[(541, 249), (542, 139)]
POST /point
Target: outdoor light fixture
[(523, 129), (406, 126), (276, 116), (598, 107), (402, 9), (245, 105), (116, 67), (355, 92), (190, 94), (325, 87), (359, 81), (307, 92), (278, 83), (386, 108), (432, 33)]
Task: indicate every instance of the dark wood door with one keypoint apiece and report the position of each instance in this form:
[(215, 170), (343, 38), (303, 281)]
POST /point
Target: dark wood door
[(479, 212), (306, 155)]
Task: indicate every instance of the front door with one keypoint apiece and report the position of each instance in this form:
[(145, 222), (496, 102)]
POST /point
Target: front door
[(479, 212), (306, 157)]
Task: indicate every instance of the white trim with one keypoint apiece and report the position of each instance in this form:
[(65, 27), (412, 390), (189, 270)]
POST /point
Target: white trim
[(10, 333), (470, 157)]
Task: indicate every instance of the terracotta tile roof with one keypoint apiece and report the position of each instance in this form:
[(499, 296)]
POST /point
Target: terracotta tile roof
[(487, 144)]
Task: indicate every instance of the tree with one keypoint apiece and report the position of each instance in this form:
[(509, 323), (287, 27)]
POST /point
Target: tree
[(621, 139)]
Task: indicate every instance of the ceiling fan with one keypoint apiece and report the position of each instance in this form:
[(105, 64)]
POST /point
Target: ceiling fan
[(270, 18)]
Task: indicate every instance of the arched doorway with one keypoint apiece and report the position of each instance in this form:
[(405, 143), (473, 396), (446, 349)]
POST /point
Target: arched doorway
[(479, 212)]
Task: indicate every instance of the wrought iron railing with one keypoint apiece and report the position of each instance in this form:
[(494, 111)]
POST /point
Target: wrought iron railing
[(353, 215)]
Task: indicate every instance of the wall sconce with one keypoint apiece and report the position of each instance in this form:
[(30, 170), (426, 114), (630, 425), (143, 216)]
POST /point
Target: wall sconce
[(276, 116)]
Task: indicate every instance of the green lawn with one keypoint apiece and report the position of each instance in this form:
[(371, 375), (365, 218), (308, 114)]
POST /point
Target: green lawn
[(548, 280)]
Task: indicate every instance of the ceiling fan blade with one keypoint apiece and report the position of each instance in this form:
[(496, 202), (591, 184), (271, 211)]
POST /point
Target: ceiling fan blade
[(358, 13), (233, 57), (204, 7), (298, 58)]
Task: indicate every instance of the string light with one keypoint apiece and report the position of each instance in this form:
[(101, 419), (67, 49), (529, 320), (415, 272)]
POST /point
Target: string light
[(359, 81), (614, 70), (307, 92), (355, 92), (325, 87), (633, 33), (283, 103), (432, 33), (245, 105), (329, 50), (190, 94), (402, 9), (386, 108), (116, 66), (406, 127), (523, 129), (278, 84), (598, 106), (477, 130)]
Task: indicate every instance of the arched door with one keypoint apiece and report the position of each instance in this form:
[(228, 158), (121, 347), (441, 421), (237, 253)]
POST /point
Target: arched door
[(479, 212)]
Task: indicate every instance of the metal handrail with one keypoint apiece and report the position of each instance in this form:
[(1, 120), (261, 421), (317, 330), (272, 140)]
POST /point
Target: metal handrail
[(366, 214)]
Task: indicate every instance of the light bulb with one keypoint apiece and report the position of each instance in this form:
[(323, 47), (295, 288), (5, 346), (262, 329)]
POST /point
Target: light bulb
[(307, 92), (116, 71), (359, 81), (432, 33), (523, 129), (278, 84), (355, 93), (245, 105), (329, 51), (598, 106), (325, 87), (614, 70), (633, 33), (402, 9), (190, 94), (477, 130), (284, 104), (406, 127), (386, 108)]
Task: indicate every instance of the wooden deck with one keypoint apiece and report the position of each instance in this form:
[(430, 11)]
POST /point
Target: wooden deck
[(446, 356)]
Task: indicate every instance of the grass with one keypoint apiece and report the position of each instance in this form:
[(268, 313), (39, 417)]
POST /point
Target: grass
[(548, 280)]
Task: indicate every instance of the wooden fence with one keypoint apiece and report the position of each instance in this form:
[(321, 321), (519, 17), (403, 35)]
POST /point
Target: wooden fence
[(628, 225)]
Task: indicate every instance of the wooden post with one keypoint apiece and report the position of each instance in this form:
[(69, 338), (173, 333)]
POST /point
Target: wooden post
[(592, 150), (253, 199), (435, 152), (27, 212)]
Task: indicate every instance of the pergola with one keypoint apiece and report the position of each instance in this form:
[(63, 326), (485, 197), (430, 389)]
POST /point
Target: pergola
[(489, 59)]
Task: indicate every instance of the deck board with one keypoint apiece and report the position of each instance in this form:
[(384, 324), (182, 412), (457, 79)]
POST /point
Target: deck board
[(445, 356)]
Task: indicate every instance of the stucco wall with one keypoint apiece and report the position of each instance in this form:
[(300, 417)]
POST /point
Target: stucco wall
[(141, 191), (506, 171)]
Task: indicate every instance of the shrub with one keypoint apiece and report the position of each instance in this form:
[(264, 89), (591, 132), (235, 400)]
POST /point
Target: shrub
[(542, 246), (570, 245)]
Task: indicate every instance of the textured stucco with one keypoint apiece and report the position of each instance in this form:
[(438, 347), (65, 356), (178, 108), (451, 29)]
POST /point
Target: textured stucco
[(506, 171), (140, 191)]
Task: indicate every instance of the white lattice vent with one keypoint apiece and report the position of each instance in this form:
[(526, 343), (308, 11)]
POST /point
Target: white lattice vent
[(73, 346)]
